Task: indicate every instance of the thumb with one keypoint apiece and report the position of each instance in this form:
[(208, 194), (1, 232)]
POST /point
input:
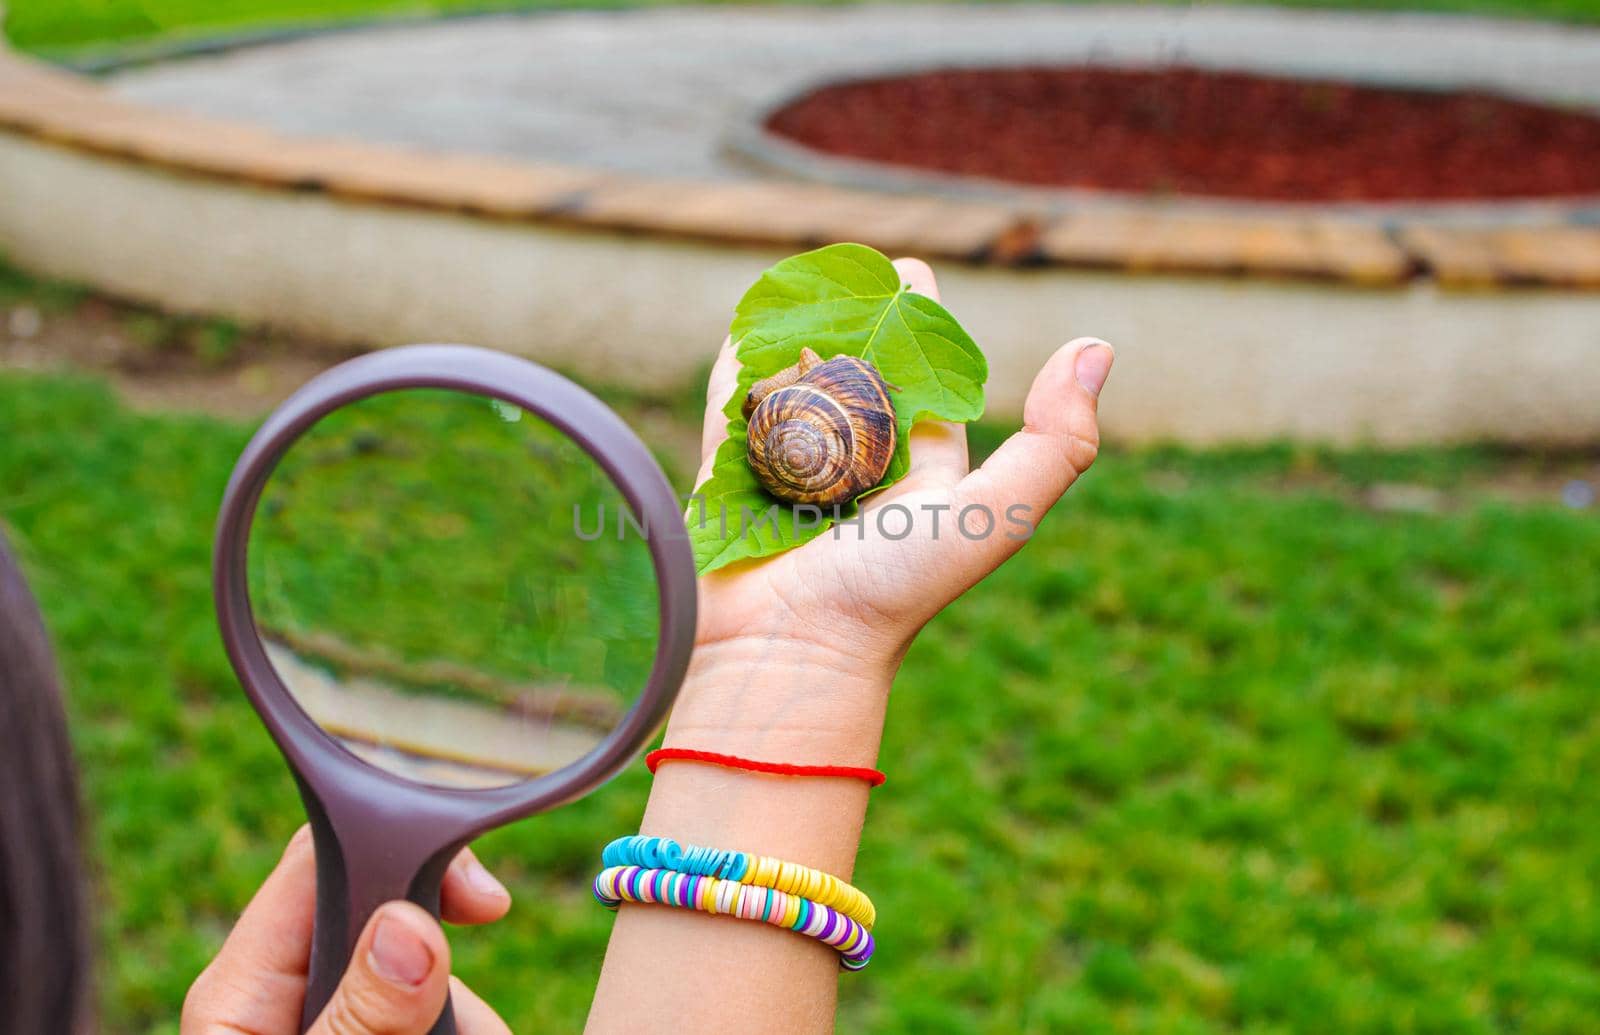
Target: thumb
[(398, 980), (1060, 436)]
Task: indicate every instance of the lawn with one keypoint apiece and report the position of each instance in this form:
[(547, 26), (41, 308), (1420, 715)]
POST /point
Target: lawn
[(53, 25), (1230, 749)]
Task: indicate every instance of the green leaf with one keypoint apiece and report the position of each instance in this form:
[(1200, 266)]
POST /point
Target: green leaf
[(845, 299)]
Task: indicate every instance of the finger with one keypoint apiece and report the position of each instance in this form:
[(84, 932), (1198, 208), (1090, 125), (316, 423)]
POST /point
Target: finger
[(938, 447), (1059, 439), (473, 1015), (719, 389), (257, 981), (398, 979), (470, 894), (918, 276)]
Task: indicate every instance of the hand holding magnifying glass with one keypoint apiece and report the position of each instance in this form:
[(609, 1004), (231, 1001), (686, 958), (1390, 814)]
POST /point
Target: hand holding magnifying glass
[(395, 986)]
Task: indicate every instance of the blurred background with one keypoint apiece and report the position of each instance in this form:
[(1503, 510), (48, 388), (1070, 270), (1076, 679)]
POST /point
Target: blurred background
[(1287, 720)]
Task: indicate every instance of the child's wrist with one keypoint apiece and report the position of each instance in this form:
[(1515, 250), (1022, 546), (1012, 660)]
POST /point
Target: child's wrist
[(782, 701)]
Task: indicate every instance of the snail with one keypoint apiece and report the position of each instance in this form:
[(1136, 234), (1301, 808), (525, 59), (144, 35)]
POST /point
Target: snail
[(821, 432)]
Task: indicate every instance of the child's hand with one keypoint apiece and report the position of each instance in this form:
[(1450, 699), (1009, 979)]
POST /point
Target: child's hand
[(396, 984), (801, 647)]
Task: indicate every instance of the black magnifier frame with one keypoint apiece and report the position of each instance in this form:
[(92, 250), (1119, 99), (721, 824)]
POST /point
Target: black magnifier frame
[(378, 835)]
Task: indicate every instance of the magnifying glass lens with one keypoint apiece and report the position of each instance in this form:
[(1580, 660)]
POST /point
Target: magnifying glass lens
[(452, 588)]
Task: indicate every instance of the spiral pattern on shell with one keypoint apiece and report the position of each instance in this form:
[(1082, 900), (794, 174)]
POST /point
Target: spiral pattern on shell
[(826, 436)]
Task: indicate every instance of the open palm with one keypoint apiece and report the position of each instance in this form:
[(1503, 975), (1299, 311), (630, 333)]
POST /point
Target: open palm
[(865, 590)]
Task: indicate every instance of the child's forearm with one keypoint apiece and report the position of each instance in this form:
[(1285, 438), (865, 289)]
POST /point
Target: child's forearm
[(670, 969)]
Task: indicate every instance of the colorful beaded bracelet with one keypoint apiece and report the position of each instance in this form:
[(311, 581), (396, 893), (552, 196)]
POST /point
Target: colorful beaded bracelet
[(618, 884), (743, 868)]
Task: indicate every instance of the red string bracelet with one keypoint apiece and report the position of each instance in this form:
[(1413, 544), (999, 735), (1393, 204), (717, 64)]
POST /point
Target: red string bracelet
[(654, 759)]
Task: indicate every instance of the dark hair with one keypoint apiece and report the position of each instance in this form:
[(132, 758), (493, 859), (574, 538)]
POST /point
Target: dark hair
[(44, 931)]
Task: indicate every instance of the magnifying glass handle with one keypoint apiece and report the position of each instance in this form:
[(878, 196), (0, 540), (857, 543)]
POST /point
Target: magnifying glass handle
[(354, 878)]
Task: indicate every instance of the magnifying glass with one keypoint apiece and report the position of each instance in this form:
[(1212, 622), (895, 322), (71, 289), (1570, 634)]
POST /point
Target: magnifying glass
[(458, 591)]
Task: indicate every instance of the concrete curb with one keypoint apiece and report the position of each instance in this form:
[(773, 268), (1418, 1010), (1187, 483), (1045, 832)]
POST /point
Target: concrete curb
[(1322, 330)]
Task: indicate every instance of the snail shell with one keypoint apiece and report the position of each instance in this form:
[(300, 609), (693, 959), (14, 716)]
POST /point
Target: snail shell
[(821, 432)]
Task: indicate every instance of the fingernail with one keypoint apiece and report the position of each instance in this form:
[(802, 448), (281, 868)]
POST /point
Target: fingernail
[(481, 880), (1093, 366), (398, 954)]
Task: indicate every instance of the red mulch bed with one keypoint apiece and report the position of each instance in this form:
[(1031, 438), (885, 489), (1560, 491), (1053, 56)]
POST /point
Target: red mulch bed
[(1185, 131)]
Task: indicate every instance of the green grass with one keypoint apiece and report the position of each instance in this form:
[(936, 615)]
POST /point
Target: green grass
[(51, 25), (1225, 752)]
